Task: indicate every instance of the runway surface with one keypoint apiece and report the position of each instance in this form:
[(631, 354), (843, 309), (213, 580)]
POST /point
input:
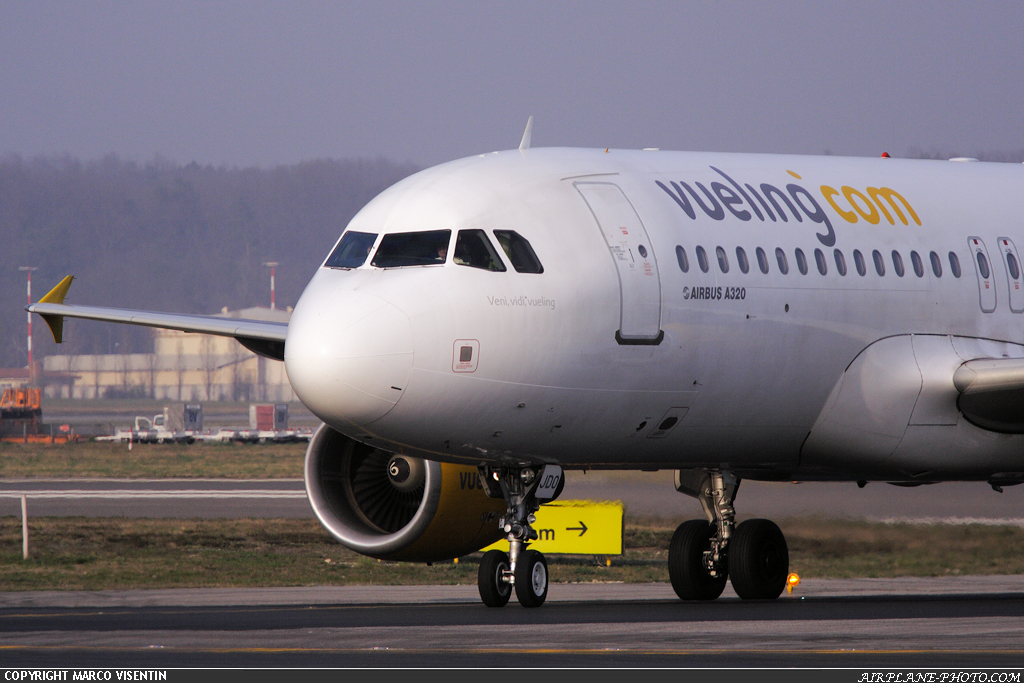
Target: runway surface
[(643, 493), (962, 622)]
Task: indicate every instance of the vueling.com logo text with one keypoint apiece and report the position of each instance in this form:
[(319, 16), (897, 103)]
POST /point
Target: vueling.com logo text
[(768, 202)]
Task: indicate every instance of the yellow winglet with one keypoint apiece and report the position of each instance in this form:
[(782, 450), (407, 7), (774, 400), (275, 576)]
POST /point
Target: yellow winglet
[(56, 296)]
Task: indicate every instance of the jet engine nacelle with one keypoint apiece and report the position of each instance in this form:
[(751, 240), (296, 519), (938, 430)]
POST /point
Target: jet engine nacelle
[(395, 507)]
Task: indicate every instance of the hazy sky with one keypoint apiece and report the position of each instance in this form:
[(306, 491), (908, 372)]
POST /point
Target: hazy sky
[(260, 83)]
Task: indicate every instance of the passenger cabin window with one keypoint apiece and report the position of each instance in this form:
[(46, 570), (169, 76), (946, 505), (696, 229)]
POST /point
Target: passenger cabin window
[(897, 262), (519, 251), (801, 261), (915, 260), (352, 250), (762, 260), (819, 259), (858, 261), (473, 249), (741, 258), (723, 260), (840, 262), (876, 256), (412, 249), (983, 266), (954, 264), (702, 259), (1011, 264), (684, 263), (780, 256), (1014, 267)]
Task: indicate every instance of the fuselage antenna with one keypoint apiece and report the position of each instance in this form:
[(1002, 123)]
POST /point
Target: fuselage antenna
[(525, 144)]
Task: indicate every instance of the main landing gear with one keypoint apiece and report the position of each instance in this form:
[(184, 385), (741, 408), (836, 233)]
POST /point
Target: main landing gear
[(703, 555), (521, 569)]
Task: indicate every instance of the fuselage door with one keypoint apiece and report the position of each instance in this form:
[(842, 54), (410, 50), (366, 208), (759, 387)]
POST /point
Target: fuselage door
[(633, 254), (986, 280), (1014, 277)]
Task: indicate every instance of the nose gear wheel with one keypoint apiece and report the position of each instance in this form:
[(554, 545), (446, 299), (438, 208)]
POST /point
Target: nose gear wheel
[(531, 579), (492, 579), (524, 569)]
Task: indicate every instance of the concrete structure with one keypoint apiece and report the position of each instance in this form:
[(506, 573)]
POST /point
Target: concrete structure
[(182, 367), (14, 378)]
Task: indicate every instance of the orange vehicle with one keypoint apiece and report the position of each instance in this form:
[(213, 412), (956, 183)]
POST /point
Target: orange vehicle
[(21, 404)]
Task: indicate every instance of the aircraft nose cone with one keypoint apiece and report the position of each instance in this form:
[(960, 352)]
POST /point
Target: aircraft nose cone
[(348, 355)]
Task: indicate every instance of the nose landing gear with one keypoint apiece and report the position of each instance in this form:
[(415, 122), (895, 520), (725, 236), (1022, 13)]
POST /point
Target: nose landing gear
[(526, 570), (703, 555)]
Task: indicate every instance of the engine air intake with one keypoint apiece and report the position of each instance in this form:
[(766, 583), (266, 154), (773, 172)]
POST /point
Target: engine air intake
[(397, 507)]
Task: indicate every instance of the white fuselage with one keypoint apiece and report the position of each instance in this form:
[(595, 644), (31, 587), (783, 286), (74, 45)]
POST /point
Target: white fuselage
[(587, 363)]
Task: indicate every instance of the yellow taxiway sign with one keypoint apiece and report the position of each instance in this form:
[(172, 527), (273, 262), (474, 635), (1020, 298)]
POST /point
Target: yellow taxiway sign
[(576, 527)]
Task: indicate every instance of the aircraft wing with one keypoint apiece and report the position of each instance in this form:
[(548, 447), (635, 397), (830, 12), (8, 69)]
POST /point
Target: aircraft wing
[(261, 337), (992, 393)]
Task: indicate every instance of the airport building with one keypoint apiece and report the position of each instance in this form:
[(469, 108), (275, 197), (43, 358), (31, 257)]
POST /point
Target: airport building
[(182, 367)]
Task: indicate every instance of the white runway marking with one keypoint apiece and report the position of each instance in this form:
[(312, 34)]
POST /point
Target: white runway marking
[(987, 521)]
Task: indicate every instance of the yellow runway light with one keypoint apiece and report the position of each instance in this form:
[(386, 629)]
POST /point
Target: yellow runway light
[(792, 581)]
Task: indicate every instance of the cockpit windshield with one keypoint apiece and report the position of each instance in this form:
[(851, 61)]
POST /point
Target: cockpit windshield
[(472, 248), (519, 251), (412, 249), (352, 250)]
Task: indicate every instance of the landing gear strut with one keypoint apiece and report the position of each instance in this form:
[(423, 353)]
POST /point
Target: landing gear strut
[(703, 555), (525, 570)]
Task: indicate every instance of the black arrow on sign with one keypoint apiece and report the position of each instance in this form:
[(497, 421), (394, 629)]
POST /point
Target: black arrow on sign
[(582, 528)]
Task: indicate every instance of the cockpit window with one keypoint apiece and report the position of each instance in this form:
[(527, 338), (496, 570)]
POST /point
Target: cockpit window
[(352, 250), (412, 249), (519, 251), (472, 248)]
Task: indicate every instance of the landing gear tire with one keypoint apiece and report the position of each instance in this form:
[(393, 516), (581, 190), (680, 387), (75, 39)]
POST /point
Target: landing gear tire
[(531, 579), (758, 560), (686, 569), (494, 590)]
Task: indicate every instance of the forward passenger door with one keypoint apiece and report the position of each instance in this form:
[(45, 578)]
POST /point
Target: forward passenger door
[(633, 255)]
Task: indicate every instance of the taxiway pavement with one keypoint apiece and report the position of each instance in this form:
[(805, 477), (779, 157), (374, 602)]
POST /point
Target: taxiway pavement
[(961, 622)]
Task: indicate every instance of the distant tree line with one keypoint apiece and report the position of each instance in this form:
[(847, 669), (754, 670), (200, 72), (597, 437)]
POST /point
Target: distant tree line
[(1016, 157), (165, 236)]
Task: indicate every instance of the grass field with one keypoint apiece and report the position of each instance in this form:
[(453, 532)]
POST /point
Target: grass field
[(108, 459), (118, 553)]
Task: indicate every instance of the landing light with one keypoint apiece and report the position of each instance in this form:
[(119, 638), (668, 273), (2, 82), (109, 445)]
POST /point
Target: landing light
[(792, 581)]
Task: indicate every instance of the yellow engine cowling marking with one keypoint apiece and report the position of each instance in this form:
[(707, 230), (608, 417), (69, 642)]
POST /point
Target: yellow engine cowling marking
[(465, 521)]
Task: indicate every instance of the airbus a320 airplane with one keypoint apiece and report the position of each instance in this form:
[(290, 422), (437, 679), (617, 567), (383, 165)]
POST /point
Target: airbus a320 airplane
[(483, 325)]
